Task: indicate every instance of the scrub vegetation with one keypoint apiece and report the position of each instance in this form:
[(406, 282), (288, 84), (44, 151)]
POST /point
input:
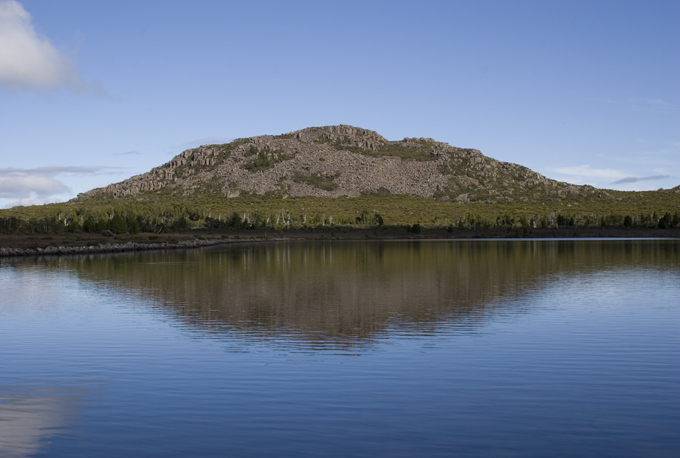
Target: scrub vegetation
[(652, 209)]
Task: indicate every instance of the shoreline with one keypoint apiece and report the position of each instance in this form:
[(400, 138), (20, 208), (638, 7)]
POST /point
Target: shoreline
[(80, 243)]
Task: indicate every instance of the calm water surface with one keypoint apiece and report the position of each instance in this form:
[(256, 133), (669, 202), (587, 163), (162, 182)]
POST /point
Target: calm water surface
[(452, 348)]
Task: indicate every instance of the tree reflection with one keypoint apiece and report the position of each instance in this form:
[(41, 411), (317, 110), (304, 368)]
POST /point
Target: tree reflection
[(354, 291)]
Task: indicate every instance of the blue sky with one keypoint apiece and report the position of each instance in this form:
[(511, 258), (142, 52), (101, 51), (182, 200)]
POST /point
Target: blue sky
[(93, 92)]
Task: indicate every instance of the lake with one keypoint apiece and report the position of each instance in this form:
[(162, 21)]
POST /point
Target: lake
[(377, 348)]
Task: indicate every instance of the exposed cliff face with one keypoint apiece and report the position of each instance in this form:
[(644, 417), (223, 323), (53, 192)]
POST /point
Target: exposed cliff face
[(343, 160)]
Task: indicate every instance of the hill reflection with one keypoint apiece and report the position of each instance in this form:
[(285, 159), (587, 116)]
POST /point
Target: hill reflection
[(353, 291)]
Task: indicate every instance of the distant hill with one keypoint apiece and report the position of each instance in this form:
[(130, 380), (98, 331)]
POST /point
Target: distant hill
[(342, 160), (344, 177)]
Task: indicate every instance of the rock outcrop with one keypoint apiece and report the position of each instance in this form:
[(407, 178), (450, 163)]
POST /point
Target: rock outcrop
[(342, 160)]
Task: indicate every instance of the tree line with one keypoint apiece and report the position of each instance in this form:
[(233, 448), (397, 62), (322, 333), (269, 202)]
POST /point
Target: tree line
[(181, 218)]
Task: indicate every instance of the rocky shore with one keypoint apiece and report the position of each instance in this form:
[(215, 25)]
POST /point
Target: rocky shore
[(77, 244), (111, 247)]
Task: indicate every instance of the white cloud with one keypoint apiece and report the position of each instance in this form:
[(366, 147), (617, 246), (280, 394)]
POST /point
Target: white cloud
[(23, 184), (40, 185), (586, 171), (657, 159), (585, 174), (613, 178), (29, 61), (637, 180)]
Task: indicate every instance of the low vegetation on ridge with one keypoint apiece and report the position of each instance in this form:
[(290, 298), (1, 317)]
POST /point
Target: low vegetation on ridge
[(255, 212)]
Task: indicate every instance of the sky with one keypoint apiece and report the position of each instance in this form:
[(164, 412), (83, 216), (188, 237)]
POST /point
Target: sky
[(93, 92)]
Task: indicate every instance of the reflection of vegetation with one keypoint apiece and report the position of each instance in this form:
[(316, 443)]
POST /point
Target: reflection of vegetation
[(354, 290), (165, 213)]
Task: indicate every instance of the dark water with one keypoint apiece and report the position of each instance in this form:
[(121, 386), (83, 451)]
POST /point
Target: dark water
[(466, 348)]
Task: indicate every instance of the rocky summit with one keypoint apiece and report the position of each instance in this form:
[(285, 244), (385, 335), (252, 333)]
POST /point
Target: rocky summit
[(342, 160)]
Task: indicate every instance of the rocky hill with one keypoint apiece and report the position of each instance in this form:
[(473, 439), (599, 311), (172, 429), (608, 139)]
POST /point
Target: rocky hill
[(342, 160)]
